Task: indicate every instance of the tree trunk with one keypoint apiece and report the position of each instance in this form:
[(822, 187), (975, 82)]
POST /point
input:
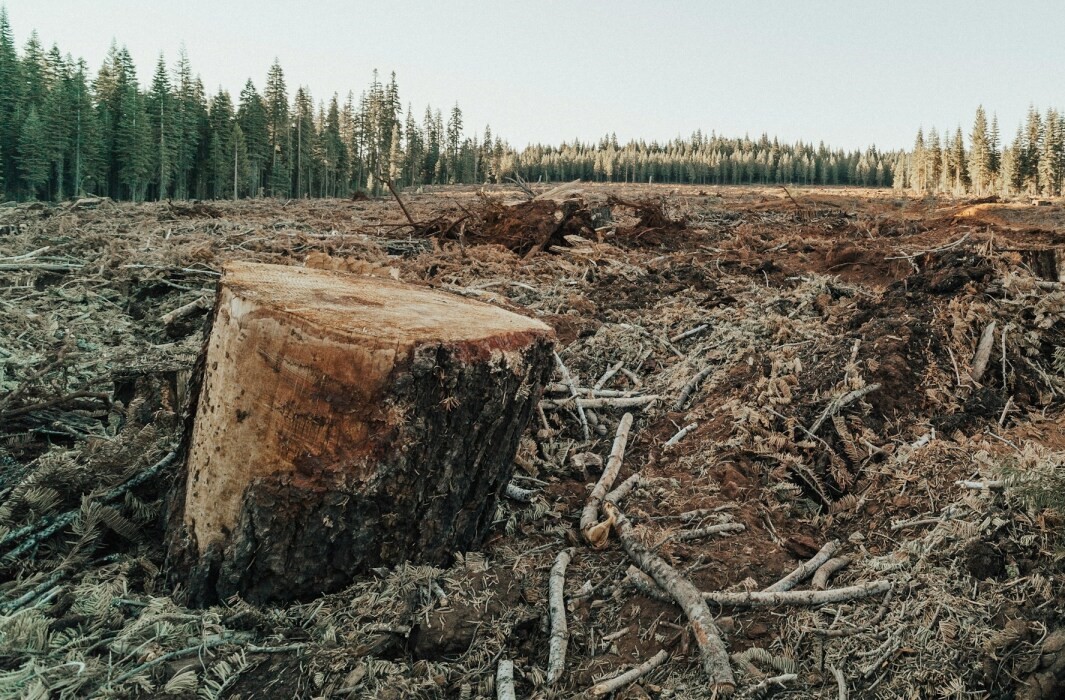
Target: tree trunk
[(346, 422)]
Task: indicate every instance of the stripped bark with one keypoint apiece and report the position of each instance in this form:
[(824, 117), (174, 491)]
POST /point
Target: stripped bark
[(712, 651), (597, 533), (556, 662), (618, 682), (805, 570)]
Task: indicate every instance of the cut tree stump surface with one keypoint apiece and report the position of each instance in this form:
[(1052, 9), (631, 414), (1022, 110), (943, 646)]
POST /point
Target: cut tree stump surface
[(346, 422)]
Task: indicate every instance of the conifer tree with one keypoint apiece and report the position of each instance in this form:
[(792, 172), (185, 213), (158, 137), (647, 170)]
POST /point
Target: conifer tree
[(159, 104), (979, 153), (9, 105), (251, 116), (32, 153), (277, 128)]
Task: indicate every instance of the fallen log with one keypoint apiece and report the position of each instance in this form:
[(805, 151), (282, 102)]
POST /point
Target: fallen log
[(346, 422), (712, 651)]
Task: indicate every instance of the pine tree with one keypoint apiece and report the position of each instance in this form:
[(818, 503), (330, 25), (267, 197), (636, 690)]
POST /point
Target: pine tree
[(961, 166), (979, 153), (161, 115), (32, 154), (219, 164), (251, 116), (1050, 156), (132, 133), (10, 104), (454, 134), (277, 128), (1033, 141), (304, 137)]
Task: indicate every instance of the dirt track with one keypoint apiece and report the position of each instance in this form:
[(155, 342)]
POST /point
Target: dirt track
[(803, 300)]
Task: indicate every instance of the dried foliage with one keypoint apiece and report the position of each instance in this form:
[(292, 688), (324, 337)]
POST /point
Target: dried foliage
[(836, 402)]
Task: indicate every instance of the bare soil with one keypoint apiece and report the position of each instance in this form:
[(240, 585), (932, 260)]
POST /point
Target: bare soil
[(805, 299)]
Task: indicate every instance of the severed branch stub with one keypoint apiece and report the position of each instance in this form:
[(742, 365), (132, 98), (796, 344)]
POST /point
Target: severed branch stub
[(556, 662), (712, 650), (595, 532)]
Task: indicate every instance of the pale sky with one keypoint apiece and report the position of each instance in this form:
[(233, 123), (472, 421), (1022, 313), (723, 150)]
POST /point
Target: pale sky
[(849, 72)]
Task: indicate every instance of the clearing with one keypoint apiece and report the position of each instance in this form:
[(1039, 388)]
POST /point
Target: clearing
[(842, 393)]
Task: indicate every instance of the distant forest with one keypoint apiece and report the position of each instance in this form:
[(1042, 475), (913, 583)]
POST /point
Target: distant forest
[(65, 132)]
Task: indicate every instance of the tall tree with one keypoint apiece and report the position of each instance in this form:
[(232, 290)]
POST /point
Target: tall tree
[(161, 116), (278, 130), (33, 153), (10, 100), (979, 153)]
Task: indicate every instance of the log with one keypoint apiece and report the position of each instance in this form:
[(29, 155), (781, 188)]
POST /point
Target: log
[(344, 423)]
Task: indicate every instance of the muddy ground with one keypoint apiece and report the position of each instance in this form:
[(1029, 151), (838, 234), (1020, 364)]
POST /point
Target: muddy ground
[(804, 297)]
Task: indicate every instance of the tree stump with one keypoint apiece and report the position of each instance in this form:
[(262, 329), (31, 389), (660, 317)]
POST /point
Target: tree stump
[(343, 423)]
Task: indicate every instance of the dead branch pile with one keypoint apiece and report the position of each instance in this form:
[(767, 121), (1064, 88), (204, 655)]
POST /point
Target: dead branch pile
[(782, 382)]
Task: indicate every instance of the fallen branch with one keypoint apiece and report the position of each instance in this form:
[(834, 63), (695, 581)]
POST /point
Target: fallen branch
[(982, 485), (688, 334), (607, 375), (557, 608), (691, 386), (50, 526), (624, 489), (568, 381), (841, 682), (723, 528), (826, 571), (806, 569), (597, 533), (505, 680), (680, 434), (763, 599), (617, 682), (517, 493), (192, 307), (764, 685), (712, 651), (616, 402), (983, 353), (836, 405)]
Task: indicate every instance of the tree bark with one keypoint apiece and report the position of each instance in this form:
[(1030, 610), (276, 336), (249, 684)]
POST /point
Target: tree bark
[(345, 422)]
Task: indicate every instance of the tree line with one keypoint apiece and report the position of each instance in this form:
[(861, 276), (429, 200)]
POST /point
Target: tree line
[(1033, 163), (66, 131)]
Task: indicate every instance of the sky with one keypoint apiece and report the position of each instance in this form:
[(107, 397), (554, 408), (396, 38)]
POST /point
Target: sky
[(850, 73)]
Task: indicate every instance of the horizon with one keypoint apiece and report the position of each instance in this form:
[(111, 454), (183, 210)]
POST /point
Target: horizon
[(780, 111)]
